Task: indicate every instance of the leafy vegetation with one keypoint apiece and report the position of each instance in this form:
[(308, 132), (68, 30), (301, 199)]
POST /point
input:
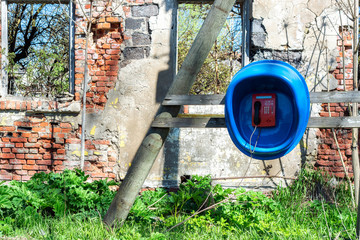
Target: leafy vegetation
[(224, 58), (65, 206)]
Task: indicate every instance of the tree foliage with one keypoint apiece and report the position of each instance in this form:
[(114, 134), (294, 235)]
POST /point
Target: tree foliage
[(224, 58), (38, 49)]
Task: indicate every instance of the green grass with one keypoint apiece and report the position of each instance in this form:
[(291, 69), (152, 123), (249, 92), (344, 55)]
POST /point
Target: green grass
[(309, 209)]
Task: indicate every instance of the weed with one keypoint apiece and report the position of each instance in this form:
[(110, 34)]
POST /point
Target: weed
[(66, 206)]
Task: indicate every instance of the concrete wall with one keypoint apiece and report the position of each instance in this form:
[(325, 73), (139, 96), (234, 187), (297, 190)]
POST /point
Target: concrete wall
[(132, 61)]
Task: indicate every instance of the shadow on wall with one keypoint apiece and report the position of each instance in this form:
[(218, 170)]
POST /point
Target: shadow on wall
[(164, 80)]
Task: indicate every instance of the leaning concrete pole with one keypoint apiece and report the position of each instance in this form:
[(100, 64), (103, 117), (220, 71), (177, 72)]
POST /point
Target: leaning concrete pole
[(155, 138)]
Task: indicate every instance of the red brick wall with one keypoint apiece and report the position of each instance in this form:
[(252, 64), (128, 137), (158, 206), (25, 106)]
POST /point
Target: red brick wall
[(328, 158), (103, 57)]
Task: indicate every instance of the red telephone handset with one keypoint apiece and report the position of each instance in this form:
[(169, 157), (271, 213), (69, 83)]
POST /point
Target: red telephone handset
[(263, 109)]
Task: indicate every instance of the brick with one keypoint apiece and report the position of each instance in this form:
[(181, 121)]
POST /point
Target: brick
[(39, 129), (6, 166), (61, 151), (7, 155), (103, 26), (324, 163), (113, 51), (106, 46), (32, 140), (65, 125), (99, 175), (43, 168), (58, 146), (17, 161), (7, 128), (32, 145), (115, 57), (16, 177), (112, 19), (46, 136), (58, 162), (20, 150), (30, 167), (44, 124), (20, 156), (30, 162), (18, 140), (47, 156), (33, 156), (17, 167), (26, 134), (111, 62), (6, 150), (111, 73), (47, 145), (5, 176), (33, 150), (43, 162)]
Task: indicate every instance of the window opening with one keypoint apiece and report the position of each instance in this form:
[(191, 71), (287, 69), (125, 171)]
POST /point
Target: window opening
[(38, 49), (224, 59)]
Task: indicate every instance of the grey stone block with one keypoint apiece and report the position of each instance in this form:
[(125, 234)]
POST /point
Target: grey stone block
[(141, 39), (134, 53), (258, 39), (134, 24), (145, 11)]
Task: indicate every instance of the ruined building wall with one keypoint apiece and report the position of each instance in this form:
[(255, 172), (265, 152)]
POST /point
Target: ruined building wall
[(131, 43), (132, 62)]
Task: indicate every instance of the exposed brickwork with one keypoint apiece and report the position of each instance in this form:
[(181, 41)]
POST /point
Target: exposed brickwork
[(103, 56), (35, 144), (42, 135), (30, 145), (328, 157)]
